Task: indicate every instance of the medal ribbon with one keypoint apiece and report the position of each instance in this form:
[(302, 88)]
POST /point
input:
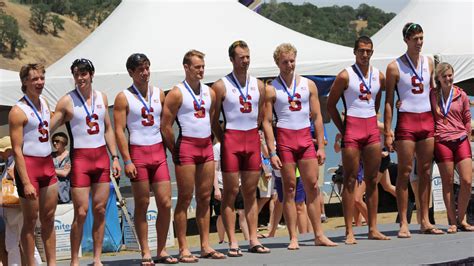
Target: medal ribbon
[(447, 105), (30, 103), (361, 77), (141, 98), (192, 93), (237, 84), (85, 104), (287, 90), (412, 67)]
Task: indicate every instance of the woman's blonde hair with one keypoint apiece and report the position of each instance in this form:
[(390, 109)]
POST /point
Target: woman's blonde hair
[(440, 69)]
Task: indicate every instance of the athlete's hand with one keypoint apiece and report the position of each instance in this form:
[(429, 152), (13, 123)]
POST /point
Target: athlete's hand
[(217, 194), (321, 155), (131, 171), (276, 163), (116, 169), (30, 192), (389, 142), (398, 104)]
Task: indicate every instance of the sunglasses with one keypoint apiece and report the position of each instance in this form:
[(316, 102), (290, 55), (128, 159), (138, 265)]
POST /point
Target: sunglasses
[(83, 61), (412, 26)]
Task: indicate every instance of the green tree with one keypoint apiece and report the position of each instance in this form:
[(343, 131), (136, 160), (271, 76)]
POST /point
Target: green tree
[(40, 17), (58, 24), (10, 39)]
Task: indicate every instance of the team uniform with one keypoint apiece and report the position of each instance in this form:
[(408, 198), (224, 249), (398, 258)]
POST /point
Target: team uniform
[(194, 144), (146, 146), (36, 148), (90, 161), (360, 124), (294, 140), (241, 142), (415, 120), (451, 134)]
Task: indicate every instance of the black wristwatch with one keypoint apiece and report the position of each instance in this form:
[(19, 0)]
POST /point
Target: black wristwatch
[(115, 156)]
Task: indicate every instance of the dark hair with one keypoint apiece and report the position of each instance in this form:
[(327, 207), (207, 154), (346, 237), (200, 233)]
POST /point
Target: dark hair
[(411, 28), (362, 39), (135, 60), (236, 44), (25, 72), (62, 135), (83, 65), (187, 57)]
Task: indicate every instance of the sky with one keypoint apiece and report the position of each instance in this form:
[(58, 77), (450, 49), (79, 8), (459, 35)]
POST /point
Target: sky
[(394, 6)]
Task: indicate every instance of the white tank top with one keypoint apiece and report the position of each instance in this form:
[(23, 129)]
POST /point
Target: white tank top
[(415, 98), (239, 114), (36, 138), (295, 116), (144, 129), (192, 121), (87, 133), (356, 100)]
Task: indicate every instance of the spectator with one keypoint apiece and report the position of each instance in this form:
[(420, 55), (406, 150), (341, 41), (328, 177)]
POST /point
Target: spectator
[(62, 165)]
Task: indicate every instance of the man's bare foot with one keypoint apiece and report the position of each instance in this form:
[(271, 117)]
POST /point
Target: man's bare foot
[(97, 263), (376, 235), (350, 240), (74, 263), (404, 232), (324, 241)]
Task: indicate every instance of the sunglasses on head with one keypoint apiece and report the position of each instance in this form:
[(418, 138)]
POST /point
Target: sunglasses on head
[(83, 61), (412, 26)]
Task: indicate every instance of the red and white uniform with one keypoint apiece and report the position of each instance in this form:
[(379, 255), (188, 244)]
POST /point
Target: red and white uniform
[(37, 148), (241, 143), (90, 161), (146, 146), (360, 124), (194, 145), (294, 141), (415, 121)]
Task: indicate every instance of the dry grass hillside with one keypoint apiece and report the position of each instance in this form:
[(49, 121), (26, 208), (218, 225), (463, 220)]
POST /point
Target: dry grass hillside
[(42, 48)]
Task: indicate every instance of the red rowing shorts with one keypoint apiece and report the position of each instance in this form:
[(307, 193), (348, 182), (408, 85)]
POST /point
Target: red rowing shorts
[(360, 132), (150, 161), (295, 145), (241, 150), (90, 165), (40, 171), (191, 150), (452, 151), (414, 126)]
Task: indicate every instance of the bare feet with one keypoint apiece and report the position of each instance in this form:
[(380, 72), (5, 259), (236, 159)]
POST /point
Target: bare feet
[(324, 241), (350, 240), (97, 263), (376, 235), (293, 245), (452, 229)]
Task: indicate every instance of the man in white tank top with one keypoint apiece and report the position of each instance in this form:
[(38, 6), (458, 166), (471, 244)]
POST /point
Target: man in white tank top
[(360, 88), (85, 112), (292, 97), (29, 123), (240, 98), (411, 76), (191, 104), (138, 109)]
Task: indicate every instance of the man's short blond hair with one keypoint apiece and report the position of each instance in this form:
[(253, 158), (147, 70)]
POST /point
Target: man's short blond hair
[(25, 73), (281, 49), (187, 57)]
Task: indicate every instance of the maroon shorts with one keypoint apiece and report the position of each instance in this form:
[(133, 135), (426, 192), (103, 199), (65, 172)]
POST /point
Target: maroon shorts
[(40, 171), (295, 145), (360, 132), (241, 151), (414, 126), (90, 165), (191, 150), (452, 151), (150, 162)]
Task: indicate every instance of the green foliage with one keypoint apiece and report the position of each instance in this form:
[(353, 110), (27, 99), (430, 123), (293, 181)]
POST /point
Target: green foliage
[(11, 42), (40, 18), (58, 24), (332, 24)]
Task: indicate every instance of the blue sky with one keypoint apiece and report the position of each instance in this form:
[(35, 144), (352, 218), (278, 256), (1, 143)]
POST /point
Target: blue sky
[(386, 5)]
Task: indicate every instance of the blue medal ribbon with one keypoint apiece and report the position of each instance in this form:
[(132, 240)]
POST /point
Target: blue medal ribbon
[(30, 103), (412, 67), (361, 77), (192, 94), (89, 114), (141, 98), (237, 84), (447, 105), (287, 90)]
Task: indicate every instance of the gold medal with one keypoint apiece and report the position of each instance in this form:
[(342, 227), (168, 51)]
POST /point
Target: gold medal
[(199, 113), (293, 104), (369, 96), (445, 120), (150, 117), (90, 124), (421, 86)]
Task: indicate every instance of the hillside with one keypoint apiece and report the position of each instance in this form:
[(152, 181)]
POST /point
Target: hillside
[(45, 49)]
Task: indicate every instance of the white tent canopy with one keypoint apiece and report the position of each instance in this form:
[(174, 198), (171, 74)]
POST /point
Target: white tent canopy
[(448, 33)]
